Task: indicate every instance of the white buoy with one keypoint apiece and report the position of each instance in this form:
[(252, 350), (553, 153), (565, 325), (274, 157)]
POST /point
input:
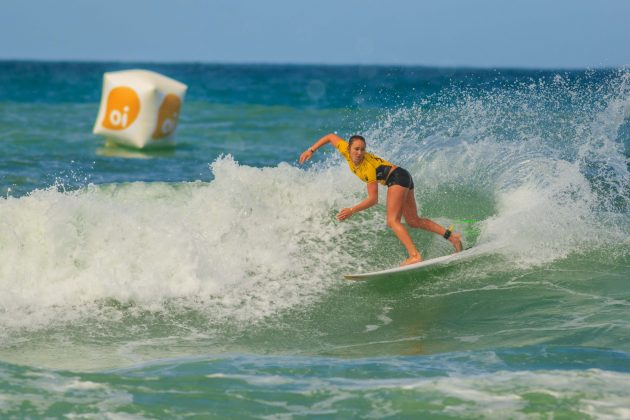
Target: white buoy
[(139, 108)]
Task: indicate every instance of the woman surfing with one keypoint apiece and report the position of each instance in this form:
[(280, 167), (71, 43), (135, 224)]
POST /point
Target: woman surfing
[(401, 201)]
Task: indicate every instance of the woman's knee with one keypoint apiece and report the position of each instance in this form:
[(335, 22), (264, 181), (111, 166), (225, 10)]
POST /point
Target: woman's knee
[(412, 220), (392, 222)]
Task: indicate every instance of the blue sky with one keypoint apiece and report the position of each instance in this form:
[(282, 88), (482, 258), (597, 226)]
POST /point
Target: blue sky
[(478, 33)]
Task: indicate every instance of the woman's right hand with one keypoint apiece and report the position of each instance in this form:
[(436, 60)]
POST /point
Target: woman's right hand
[(345, 213), (306, 156)]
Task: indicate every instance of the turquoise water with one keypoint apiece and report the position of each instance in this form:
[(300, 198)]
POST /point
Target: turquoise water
[(207, 280)]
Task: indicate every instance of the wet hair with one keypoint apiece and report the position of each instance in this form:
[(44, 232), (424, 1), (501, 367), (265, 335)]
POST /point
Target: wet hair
[(355, 138)]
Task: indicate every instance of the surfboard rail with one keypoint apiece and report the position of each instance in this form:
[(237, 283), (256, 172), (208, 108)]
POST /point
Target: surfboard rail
[(445, 259)]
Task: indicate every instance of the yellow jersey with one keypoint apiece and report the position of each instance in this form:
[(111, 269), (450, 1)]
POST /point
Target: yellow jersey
[(371, 169)]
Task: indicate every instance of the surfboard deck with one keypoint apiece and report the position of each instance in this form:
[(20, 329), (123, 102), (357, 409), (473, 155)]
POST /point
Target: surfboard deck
[(446, 259)]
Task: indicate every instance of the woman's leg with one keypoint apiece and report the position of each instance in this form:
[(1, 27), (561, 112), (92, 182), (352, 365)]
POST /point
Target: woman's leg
[(396, 197), (410, 212)]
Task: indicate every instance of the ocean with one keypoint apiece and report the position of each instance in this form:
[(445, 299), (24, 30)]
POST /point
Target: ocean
[(206, 280)]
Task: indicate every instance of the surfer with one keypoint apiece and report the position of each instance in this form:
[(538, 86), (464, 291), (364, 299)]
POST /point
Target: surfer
[(401, 201)]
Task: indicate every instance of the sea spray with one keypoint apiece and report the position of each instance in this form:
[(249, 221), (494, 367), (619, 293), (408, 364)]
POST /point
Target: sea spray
[(549, 163)]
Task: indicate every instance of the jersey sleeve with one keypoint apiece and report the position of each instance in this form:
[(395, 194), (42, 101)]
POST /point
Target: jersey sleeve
[(342, 147)]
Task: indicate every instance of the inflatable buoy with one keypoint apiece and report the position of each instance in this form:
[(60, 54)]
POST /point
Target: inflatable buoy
[(139, 108)]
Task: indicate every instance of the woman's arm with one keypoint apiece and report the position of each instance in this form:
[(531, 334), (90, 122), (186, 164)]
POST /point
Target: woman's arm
[(328, 138), (371, 199)]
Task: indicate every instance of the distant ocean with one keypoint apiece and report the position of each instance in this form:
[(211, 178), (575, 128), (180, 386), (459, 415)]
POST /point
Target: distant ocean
[(207, 280)]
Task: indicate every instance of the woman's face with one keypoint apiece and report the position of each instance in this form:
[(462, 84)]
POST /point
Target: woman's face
[(357, 151)]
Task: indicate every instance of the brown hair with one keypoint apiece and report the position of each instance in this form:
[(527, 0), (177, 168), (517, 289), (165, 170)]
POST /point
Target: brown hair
[(355, 138)]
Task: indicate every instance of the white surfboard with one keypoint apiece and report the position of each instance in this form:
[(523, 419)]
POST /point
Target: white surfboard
[(446, 259)]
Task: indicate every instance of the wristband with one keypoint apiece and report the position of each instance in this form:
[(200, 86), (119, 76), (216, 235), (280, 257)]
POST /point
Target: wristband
[(448, 232), (311, 150)]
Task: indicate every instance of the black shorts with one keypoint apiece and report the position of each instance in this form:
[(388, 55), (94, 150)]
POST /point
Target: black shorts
[(400, 177)]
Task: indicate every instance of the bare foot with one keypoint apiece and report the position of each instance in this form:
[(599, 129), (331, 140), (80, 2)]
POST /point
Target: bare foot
[(412, 260), (455, 239)]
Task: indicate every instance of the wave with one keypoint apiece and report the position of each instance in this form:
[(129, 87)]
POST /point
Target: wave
[(536, 172), (543, 162), (247, 241)]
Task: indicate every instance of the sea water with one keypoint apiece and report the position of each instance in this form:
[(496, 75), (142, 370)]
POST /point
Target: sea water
[(207, 280)]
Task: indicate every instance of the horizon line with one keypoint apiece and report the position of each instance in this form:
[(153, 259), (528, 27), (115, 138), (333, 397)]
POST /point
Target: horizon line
[(314, 64)]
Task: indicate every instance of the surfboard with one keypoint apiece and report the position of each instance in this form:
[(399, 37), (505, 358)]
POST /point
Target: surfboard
[(446, 259)]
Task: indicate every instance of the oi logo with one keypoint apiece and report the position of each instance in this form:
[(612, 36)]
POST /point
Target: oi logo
[(123, 106), (167, 116)]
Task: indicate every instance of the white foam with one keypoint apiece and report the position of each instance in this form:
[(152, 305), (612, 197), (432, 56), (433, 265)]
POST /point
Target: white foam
[(248, 244), (593, 392), (383, 318)]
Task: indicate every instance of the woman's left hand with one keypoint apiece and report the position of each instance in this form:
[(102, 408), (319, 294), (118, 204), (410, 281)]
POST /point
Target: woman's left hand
[(345, 213)]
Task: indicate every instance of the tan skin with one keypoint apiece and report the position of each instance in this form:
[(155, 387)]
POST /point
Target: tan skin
[(401, 202)]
